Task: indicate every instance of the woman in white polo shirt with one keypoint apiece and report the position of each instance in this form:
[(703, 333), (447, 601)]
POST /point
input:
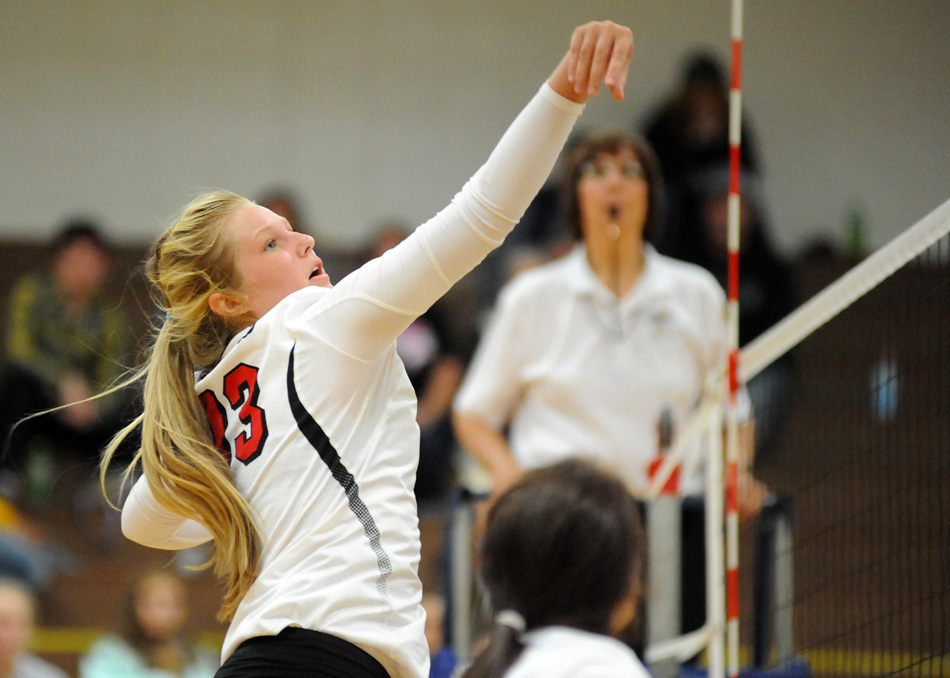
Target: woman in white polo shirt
[(584, 355)]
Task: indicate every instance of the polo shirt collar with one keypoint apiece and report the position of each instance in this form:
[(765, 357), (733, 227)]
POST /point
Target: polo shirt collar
[(584, 282)]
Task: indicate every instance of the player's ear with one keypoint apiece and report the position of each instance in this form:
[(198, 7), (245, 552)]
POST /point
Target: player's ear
[(227, 306)]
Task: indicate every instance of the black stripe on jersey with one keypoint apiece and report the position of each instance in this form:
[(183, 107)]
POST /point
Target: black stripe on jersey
[(321, 443)]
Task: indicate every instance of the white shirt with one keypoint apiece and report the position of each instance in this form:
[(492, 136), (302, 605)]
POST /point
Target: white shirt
[(31, 666), (557, 651), (327, 427), (577, 373)]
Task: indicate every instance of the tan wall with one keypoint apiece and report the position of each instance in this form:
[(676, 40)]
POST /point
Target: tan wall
[(125, 108)]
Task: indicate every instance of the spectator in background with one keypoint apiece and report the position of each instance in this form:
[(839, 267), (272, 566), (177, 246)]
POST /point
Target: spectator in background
[(689, 132), (281, 202), (154, 642), (435, 349), (67, 340), (766, 284), (27, 553), (17, 617)]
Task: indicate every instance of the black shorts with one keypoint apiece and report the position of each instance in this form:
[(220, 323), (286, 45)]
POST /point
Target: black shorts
[(296, 653)]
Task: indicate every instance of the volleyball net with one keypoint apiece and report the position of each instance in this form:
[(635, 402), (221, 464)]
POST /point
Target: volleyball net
[(849, 565), (863, 454)]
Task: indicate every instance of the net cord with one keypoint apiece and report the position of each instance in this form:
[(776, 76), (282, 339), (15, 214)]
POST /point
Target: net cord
[(777, 341)]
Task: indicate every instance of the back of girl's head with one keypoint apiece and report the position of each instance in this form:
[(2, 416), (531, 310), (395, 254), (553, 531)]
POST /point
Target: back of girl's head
[(561, 547)]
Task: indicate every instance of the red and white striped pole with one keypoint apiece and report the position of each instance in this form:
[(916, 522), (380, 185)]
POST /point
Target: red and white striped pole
[(732, 436)]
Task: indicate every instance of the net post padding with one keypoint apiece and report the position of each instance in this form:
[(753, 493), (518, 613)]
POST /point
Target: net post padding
[(774, 343), (701, 436), (715, 549), (687, 447)]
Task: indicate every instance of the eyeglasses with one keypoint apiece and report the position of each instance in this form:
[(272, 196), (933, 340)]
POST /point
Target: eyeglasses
[(600, 169)]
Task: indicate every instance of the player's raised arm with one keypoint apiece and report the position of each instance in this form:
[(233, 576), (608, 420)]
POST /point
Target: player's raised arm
[(409, 278)]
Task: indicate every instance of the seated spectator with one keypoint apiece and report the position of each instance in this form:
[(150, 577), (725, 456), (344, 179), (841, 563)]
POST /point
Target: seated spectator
[(767, 290), (27, 554), (689, 131), (283, 203), (154, 643), (17, 616), (562, 558), (67, 340)]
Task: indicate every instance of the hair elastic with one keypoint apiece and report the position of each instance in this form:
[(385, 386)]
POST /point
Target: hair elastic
[(511, 619)]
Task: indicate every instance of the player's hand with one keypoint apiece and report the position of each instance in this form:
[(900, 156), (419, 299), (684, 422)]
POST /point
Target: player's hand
[(599, 54)]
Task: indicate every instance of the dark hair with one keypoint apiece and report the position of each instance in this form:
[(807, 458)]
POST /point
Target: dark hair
[(563, 546), (612, 143), (75, 230), (703, 68)]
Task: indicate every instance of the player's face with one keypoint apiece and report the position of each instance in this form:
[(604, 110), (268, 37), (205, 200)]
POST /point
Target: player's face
[(613, 190), (272, 260)]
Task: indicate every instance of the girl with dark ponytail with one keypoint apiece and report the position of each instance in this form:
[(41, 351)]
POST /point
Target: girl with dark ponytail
[(562, 558)]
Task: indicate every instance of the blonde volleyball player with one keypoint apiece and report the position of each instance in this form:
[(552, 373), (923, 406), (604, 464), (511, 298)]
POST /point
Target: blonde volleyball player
[(279, 421)]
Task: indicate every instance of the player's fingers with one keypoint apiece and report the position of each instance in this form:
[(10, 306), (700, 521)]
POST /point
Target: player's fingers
[(582, 47), (600, 59), (619, 66), (577, 39)]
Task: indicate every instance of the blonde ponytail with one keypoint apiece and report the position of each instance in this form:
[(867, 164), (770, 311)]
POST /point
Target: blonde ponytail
[(185, 471)]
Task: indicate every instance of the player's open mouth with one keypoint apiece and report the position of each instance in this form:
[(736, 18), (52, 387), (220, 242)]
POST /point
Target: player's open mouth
[(316, 271)]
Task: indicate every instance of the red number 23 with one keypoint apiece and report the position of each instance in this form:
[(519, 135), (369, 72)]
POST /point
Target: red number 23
[(242, 393)]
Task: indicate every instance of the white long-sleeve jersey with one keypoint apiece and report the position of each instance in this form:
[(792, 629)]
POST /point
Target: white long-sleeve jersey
[(316, 412)]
